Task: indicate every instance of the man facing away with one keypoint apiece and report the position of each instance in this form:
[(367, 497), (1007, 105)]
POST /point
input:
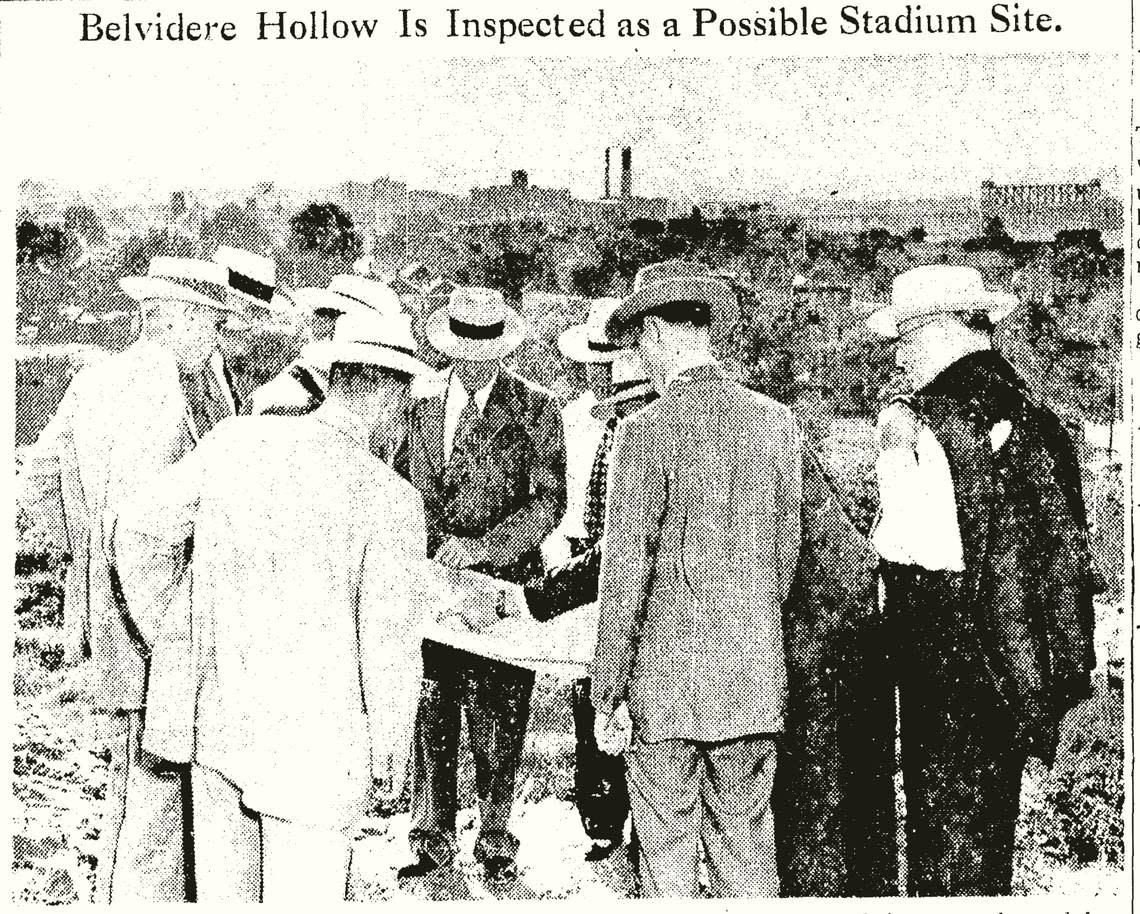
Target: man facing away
[(301, 387), (310, 581), (987, 577), (119, 423), (486, 450), (702, 540)]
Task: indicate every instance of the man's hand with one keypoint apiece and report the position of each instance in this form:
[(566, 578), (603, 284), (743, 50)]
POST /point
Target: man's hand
[(461, 552), (614, 732)]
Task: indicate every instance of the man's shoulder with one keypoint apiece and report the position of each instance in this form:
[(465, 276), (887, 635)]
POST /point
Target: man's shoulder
[(431, 384)]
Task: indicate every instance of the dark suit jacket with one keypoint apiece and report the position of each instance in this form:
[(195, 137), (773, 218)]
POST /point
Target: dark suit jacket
[(504, 485), (1028, 582), (702, 540)]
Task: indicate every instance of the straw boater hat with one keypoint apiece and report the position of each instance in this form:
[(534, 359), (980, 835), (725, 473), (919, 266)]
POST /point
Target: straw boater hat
[(923, 292), (349, 294), (675, 290), (588, 342), (476, 325), (373, 337), (629, 382), (185, 279), (253, 279)]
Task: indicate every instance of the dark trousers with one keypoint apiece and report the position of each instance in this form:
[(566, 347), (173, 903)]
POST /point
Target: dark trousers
[(599, 778), (495, 699), (961, 768)]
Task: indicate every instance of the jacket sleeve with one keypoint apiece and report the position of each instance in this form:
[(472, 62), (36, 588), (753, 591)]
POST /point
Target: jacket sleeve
[(39, 489), (561, 589), (400, 591), (789, 504), (635, 507), (148, 542), (527, 527)]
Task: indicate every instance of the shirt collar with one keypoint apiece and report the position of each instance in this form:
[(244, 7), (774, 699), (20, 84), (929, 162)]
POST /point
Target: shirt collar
[(456, 389), (704, 360)]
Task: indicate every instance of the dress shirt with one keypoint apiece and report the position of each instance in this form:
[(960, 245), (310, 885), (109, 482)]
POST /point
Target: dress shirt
[(455, 400)]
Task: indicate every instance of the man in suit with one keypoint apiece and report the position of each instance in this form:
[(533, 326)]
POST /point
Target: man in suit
[(119, 423), (987, 575), (599, 777), (702, 540), (310, 581), (486, 450)]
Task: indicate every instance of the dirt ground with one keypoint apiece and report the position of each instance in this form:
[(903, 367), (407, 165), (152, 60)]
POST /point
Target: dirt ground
[(1069, 837)]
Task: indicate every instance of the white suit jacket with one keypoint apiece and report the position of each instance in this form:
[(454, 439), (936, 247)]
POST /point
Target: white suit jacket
[(293, 669), (119, 423)]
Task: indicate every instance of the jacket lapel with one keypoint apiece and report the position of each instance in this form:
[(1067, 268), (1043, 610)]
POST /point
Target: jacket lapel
[(429, 418)]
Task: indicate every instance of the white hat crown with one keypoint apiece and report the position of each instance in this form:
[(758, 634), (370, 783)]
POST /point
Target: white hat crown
[(373, 328), (477, 306), (187, 269), (935, 289), (373, 294)]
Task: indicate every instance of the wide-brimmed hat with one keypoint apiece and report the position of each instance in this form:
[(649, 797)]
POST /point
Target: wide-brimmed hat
[(184, 279), (253, 279), (475, 325), (350, 293), (930, 290), (587, 342), (674, 290), (372, 338), (628, 382)]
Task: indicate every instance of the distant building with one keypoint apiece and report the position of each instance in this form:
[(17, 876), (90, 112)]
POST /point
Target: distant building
[(950, 218), (1036, 212), (519, 201)]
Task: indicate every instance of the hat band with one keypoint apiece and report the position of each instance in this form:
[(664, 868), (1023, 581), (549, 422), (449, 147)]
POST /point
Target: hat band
[(603, 347), (476, 331), (696, 312), (622, 386), (250, 286)]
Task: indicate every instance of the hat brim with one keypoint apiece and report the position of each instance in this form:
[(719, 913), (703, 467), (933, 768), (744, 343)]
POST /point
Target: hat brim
[(327, 352), (152, 288), (712, 292), (604, 410), (280, 304), (883, 318), (574, 344), (439, 334), (313, 299)]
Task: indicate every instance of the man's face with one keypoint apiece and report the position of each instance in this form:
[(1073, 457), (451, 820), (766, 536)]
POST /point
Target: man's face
[(475, 375), (599, 377), (193, 333)]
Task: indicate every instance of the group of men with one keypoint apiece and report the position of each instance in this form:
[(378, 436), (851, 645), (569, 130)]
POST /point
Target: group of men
[(253, 591)]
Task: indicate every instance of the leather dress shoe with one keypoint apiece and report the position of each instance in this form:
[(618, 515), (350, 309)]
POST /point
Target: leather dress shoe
[(423, 865), (499, 870)]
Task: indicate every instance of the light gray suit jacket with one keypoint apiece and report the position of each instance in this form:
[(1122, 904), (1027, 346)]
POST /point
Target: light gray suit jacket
[(702, 539)]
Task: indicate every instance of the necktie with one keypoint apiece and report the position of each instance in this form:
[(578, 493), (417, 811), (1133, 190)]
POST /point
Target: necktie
[(468, 419), (595, 513)]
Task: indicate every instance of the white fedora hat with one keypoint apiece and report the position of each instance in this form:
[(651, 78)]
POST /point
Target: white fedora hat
[(588, 342), (475, 324), (350, 293), (253, 279), (372, 338), (629, 382), (185, 279), (934, 289), (673, 289)]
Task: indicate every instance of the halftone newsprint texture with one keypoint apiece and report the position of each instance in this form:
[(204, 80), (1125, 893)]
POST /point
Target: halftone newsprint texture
[(570, 477)]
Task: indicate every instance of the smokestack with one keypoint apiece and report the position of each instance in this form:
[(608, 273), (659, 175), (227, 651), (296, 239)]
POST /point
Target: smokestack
[(519, 179), (626, 172), (607, 193)]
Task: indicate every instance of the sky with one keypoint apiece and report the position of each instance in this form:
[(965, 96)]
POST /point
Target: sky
[(713, 128)]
